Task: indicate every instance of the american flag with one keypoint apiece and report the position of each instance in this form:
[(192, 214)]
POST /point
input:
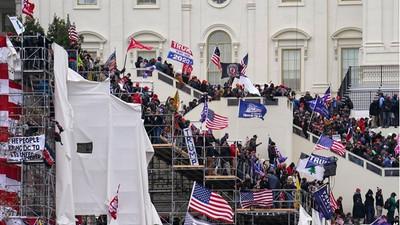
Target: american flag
[(334, 204), (262, 198), (325, 143), (216, 59), (210, 203), (72, 34), (244, 63), (396, 149), (111, 62), (189, 220), (381, 221), (215, 121), (327, 96)]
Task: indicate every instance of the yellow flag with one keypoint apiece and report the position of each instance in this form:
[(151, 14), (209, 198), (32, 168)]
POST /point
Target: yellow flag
[(177, 101), (297, 199)]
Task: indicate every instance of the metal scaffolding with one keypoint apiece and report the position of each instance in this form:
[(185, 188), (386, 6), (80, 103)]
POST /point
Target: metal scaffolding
[(37, 187)]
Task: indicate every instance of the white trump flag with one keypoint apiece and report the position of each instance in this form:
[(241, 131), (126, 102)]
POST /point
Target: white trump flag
[(18, 26)]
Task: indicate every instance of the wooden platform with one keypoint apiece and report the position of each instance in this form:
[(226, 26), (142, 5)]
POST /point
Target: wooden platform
[(188, 167), (220, 177), (166, 145)]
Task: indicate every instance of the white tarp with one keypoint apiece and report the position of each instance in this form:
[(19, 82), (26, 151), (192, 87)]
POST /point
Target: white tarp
[(304, 218), (121, 153)]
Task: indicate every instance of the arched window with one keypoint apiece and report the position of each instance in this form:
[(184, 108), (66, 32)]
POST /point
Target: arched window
[(224, 43)]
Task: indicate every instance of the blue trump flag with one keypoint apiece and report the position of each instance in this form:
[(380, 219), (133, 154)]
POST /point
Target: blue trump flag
[(320, 107), (251, 110), (317, 160), (322, 197)]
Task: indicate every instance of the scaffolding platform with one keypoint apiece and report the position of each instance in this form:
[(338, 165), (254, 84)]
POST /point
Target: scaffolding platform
[(265, 211)]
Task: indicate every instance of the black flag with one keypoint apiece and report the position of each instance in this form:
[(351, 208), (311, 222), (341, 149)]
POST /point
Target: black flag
[(230, 70)]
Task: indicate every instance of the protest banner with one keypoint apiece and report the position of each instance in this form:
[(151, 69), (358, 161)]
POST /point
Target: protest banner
[(190, 146), (25, 148)]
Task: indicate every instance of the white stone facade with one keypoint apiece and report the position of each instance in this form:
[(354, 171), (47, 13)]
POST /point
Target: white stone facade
[(319, 34)]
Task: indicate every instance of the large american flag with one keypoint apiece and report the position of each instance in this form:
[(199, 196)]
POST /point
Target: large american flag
[(244, 63), (262, 198), (216, 59), (215, 121), (334, 204), (326, 143), (210, 203), (72, 34)]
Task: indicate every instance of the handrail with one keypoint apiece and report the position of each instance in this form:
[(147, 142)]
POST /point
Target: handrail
[(381, 171), (170, 80), (369, 76)]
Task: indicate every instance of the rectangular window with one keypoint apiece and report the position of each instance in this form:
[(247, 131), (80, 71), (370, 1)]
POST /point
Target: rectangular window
[(6, 24), (286, 1), (147, 55), (87, 2), (146, 2), (86, 148), (291, 62), (349, 58), (214, 75)]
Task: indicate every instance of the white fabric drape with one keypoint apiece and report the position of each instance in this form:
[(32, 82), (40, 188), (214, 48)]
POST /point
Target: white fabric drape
[(121, 153)]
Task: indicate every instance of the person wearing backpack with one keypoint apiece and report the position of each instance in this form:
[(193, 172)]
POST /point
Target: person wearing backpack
[(390, 205)]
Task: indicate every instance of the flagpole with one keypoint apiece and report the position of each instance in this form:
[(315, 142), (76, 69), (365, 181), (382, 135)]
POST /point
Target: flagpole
[(210, 60), (194, 185), (126, 53), (317, 143)]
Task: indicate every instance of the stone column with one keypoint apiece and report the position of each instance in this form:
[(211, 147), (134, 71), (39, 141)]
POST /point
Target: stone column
[(372, 24), (186, 25), (117, 37), (251, 15), (320, 47)]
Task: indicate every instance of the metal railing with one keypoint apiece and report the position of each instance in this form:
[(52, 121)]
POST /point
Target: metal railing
[(370, 77)]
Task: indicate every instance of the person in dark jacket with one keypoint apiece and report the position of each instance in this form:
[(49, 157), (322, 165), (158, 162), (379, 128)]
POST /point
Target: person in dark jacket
[(357, 195), (340, 205), (378, 202), (369, 206), (264, 184), (395, 109), (274, 184), (358, 212), (374, 113), (254, 144), (386, 107), (271, 152)]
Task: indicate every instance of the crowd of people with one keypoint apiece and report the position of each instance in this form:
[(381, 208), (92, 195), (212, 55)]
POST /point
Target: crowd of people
[(164, 119), (358, 135)]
